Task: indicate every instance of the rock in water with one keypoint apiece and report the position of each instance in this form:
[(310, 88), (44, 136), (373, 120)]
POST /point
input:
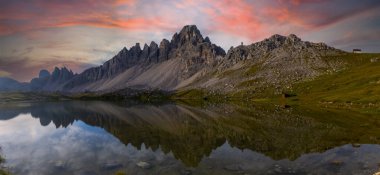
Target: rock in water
[(112, 165), (233, 167), (186, 172), (60, 164), (144, 165)]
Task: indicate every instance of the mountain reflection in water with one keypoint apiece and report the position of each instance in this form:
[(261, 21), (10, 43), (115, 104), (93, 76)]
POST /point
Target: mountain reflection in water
[(179, 139)]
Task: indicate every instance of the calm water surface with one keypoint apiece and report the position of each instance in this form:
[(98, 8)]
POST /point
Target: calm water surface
[(104, 138)]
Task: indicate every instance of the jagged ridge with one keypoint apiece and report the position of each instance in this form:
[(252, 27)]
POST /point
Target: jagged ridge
[(53, 81), (190, 61), (276, 62), (188, 52)]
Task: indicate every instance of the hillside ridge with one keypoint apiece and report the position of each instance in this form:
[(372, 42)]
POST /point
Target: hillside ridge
[(190, 60)]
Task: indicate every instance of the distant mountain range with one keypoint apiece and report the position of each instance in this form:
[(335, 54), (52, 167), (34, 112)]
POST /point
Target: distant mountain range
[(190, 61), (8, 84)]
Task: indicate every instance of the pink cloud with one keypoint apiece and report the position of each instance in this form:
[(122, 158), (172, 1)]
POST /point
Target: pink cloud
[(236, 17), (315, 14), (284, 15), (250, 20), (40, 14), (300, 2), (125, 2)]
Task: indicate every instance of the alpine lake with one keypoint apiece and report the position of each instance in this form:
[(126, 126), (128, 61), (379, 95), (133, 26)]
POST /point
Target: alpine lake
[(102, 137)]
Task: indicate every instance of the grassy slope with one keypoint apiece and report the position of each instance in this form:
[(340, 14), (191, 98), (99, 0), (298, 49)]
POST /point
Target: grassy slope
[(357, 86), (359, 83)]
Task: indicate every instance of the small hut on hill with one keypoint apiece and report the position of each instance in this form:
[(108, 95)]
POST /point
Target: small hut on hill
[(357, 51)]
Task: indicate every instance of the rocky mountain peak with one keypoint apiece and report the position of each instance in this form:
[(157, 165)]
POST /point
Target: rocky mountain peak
[(145, 52), (146, 47), (207, 40), (136, 47), (277, 40), (188, 56), (293, 38), (164, 49), (62, 74), (280, 39), (276, 37), (49, 82), (277, 48), (44, 73), (56, 69), (190, 30), (292, 42), (188, 34), (124, 50), (153, 44), (187, 48)]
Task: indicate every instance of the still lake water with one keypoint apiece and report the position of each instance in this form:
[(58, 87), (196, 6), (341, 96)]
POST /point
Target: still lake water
[(94, 137)]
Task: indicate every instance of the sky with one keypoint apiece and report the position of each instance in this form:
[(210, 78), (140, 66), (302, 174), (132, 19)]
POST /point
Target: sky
[(78, 34)]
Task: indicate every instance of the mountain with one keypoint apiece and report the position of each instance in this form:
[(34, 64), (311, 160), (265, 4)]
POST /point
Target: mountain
[(190, 61), (170, 65), (276, 62), (8, 84), (51, 82), (190, 66)]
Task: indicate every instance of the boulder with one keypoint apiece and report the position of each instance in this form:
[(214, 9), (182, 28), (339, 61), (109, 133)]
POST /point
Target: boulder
[(374, 60)]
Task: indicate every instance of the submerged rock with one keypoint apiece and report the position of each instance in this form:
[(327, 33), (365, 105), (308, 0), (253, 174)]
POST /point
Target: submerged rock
[(144, 165), (186, 172), (336, 162), (278, 169), (233, 167), (112, 165), (60, 164)]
